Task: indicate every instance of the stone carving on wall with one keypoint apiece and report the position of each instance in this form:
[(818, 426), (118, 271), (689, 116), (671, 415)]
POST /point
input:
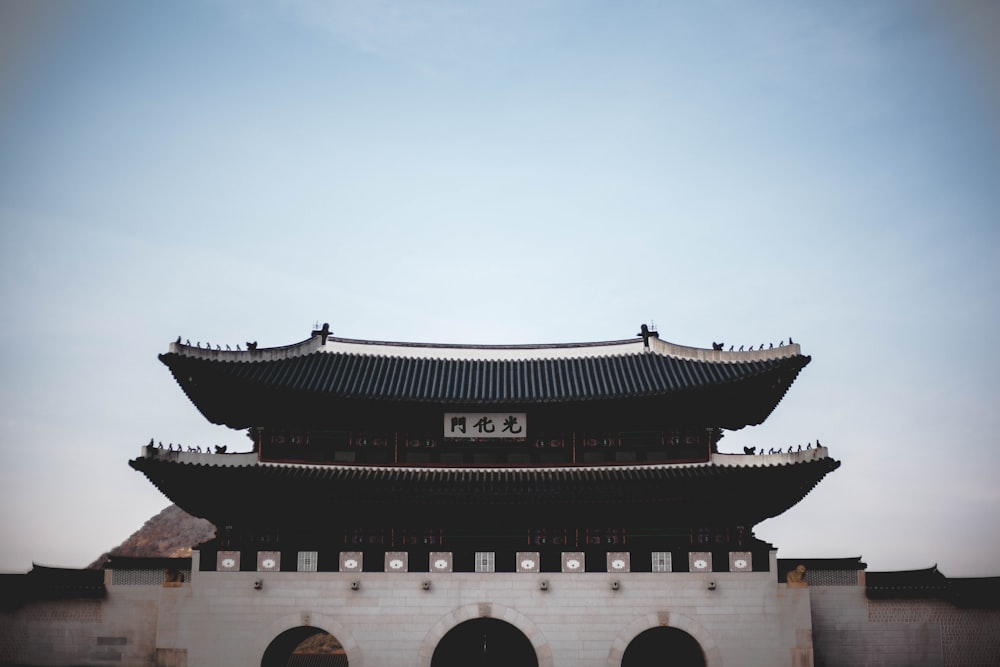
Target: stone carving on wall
[(172, 578), (797, 576)]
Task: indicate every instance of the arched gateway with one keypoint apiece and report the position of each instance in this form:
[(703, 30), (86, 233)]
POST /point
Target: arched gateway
[(485, 634), (304, 646), (664, 639), (664, 647), (486, 642)]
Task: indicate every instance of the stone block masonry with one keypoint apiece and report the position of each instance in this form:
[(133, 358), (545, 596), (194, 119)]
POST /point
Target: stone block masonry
[(850, 629), (392, 620)]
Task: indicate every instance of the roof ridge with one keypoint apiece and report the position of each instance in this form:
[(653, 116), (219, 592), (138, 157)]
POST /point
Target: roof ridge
[(620, 347)]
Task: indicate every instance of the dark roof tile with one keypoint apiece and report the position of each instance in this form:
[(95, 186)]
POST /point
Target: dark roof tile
[(486, 381)]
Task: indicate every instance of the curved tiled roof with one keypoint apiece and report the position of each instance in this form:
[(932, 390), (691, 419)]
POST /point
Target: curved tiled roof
[(208, 484), (50, 583), (478, 375), (928, 582), (972, 592)]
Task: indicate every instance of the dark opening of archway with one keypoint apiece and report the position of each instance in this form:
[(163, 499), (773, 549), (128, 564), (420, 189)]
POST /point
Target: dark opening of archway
[(305, 646), (484, 642), (663, 647)]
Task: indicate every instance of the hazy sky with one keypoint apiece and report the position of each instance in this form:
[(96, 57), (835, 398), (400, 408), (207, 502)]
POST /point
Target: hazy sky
[(509, 172)]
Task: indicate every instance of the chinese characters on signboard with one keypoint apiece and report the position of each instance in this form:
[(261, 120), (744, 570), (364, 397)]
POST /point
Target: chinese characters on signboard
[(485, 425)]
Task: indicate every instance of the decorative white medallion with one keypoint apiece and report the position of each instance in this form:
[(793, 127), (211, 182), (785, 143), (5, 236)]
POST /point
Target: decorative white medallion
[(268, 561), (228, 561), (572, 561), (351, 561), (700, 561), (740, 561), (396, 561), (619, 561), (440, 561), (528, 561)]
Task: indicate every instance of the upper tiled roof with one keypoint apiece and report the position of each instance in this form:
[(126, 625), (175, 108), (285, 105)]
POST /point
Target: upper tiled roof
[(479, 374)]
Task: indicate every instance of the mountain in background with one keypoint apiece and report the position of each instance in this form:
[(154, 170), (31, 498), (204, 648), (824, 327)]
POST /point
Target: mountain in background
[(172, 534)]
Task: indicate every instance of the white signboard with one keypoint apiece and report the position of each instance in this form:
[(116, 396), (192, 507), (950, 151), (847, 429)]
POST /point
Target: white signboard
[(485, 425)]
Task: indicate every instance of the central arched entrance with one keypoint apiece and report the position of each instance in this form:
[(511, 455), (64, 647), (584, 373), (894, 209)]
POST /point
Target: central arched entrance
[(304, 646), (663, 647), (484, 642)]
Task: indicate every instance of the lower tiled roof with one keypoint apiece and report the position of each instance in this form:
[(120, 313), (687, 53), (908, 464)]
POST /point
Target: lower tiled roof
[(743, 489)]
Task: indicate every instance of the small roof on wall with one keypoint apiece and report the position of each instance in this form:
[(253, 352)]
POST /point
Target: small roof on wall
[(301, 383), (931, 583), (50, 583)]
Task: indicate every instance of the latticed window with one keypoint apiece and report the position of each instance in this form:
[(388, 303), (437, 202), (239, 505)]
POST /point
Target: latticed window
[(138, 577), (485, 561), (832, 577), (307, 561), (661, 561)]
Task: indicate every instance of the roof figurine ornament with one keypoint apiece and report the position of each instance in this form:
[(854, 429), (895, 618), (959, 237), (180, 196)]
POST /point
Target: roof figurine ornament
[(323, 333), (646, 333)]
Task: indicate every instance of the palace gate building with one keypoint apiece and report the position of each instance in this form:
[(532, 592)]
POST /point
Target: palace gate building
[(423, 505)]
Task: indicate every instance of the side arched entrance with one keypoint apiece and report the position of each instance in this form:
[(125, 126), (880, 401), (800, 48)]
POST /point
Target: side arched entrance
[(664, 639), (304, 646), (663, 647), (484, 642)]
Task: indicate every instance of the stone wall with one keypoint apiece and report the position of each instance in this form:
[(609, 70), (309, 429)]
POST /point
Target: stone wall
[(575, 620), (850, 629), (578, 620), (120, 630)]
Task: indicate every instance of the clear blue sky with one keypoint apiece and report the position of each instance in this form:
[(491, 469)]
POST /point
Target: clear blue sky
[(509, 172)]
